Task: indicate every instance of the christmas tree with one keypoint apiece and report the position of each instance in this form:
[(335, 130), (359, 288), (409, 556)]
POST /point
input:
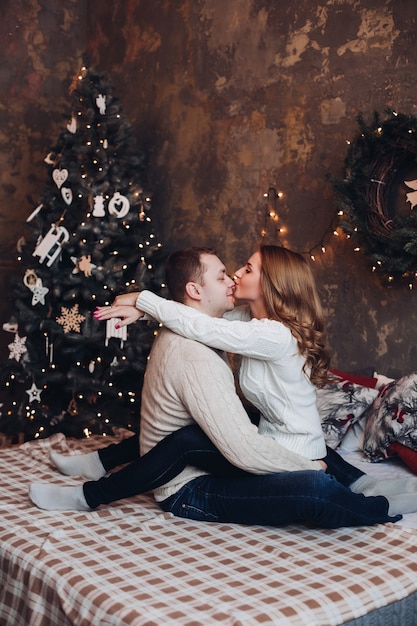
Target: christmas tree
[(90, 238)]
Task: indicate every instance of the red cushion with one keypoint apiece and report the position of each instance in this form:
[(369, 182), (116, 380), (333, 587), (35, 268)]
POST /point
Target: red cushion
[(364, 381), (407, 455)]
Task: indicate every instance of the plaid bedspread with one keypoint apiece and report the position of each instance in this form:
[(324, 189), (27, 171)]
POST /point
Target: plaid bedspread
[(131, 564)]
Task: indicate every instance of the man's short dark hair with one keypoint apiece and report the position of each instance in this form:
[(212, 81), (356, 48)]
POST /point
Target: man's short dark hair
[(184, 266)]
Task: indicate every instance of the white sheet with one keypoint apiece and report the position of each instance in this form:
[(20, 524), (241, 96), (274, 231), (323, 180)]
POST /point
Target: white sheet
[(391, 468)]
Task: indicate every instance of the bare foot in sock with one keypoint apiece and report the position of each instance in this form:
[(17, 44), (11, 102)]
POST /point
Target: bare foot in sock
[(86, 465), (58, 498)]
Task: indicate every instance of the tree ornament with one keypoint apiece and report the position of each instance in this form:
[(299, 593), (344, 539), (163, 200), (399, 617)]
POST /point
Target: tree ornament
[(11, 326), (376, 205), (119, 205), (66, 193), (34, 283), (34, 213), (17, 347), (98, 210), (84, 265), (411, 197), (101, 103), (34, 393), (50, 158), (112, 331), (72, 125), (72, 407), (50, 246), (70, 319), (59, 177)]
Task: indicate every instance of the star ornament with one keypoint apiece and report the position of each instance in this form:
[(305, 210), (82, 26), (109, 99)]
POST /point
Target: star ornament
[(34, 393), (39, 293), (70, 319)]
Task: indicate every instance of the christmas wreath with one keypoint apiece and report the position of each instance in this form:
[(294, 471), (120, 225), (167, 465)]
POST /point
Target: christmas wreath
[(378, 196)]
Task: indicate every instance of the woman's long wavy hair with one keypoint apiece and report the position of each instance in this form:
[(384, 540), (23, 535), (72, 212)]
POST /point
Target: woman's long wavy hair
[(291, 297)]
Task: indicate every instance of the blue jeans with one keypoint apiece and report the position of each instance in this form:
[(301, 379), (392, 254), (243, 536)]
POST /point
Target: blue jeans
[(231, 494), (277, 499)]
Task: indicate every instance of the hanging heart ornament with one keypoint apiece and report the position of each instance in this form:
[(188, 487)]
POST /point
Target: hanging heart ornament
[(59, 177)]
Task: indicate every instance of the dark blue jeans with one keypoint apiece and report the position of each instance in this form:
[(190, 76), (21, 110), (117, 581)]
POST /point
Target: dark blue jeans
[(231, 494)]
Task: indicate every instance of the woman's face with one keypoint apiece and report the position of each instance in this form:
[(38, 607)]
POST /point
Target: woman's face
[(248, 280)]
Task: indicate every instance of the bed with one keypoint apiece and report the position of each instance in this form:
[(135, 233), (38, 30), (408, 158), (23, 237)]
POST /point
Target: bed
[(131, 564)]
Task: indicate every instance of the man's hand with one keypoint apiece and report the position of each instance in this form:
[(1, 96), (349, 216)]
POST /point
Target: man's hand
[(127, 313), (128, 299)]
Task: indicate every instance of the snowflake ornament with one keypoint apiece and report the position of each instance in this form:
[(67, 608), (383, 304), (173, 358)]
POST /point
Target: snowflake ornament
[(70, 319), (17, 347)]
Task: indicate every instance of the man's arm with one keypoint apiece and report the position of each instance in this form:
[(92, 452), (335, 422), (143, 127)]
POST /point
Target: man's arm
[(207, 391)]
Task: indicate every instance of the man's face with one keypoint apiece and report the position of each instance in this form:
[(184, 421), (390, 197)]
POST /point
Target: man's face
[(216, 287)]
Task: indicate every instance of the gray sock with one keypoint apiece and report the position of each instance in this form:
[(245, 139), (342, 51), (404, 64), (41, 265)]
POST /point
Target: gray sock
[(58, 498), (86, 465), (370, 486)]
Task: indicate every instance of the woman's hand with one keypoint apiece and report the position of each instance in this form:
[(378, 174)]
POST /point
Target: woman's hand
[(127, 313)]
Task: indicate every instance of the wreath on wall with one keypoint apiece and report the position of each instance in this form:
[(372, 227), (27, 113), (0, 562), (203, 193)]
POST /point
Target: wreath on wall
[(377, 199)]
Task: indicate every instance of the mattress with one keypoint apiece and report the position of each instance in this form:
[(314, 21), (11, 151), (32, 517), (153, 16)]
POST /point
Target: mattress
[(131, 564)]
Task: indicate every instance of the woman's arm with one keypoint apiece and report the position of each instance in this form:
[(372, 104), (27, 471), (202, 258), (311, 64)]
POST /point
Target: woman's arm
[(261, 339)]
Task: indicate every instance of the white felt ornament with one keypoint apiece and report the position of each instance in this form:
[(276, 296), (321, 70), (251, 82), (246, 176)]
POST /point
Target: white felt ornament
[(66, 193), (98, 210), (72, 125), (34, 393), (101, 103), (59, 177), (17, 347), (34, 283), (11, 326), (112, 331), (50, 246), (119, 205), (34, 213)]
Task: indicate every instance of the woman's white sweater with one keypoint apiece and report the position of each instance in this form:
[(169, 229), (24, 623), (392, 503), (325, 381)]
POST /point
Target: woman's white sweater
[(271, 373)]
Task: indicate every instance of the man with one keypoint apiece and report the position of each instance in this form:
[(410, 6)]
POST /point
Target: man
[(187, 382)]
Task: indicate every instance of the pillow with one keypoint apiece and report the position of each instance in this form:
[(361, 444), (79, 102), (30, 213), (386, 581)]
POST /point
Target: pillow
[(392, 418), (407, 455), (342, 403)]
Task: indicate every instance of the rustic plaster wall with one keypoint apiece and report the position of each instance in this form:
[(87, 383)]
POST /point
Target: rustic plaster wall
[(41, 47), (231, 97), (228, 98)]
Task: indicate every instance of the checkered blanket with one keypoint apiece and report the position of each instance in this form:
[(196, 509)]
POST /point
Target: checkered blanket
[(131, 564)]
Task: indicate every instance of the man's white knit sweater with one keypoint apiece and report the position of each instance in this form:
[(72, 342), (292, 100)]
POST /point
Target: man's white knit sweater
[(271, 373), (186, 381)]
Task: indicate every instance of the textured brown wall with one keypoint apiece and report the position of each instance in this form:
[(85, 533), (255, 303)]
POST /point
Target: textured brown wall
[(229, 98), (41, 48)]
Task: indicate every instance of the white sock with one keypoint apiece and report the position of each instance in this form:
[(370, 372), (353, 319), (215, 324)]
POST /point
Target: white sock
[(370, 486), (402, 503), (86, 465), (58, 498)]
